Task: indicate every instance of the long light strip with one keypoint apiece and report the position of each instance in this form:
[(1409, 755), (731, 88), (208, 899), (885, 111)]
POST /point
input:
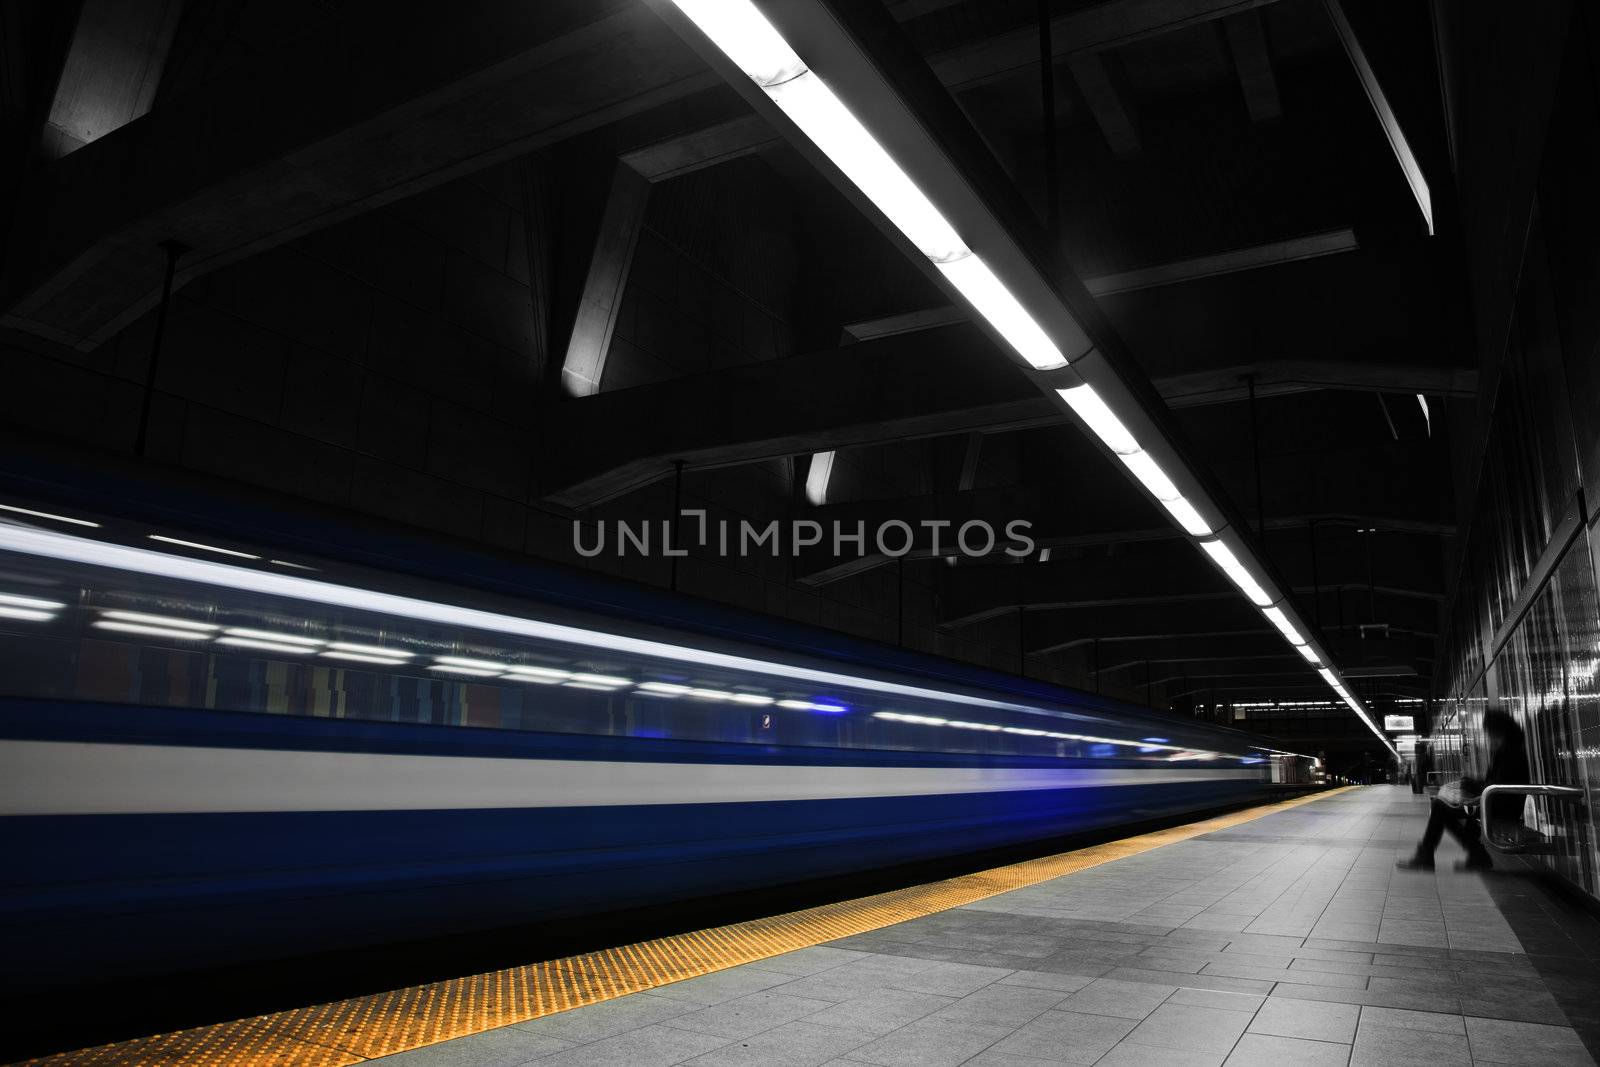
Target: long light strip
[(1224, 557), (15, 601), (150, 631), (1285, 627), (160, 620), (70, 548), (26, 614), (1103, 422), (48, 515), (204, 548), (746, 37)]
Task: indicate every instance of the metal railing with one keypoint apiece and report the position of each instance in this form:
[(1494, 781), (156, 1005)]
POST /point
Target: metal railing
[(1564, 792)]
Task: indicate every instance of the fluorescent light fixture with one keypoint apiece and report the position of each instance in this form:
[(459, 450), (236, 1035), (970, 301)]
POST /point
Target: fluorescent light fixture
[(370, 650), (1427, 416), (475, 664), (1329, 677), (817, 478), (150, 631), (1310, 654), (26, 614), (601, 679), (825, 119), (362, 657), (15, 601), (470, 672), (746, 37), (49, 544), (988, 296), (159, 620), (204, 548), (709, 694), (1187, 516), (750, 698), (271, 635), (266, 646), (1094, 412), (1285, 627), (665, 688), (1150, 475), (591, 685), (1223, 556), (296, 566), (48, 515), (812, 705), (541, 674)]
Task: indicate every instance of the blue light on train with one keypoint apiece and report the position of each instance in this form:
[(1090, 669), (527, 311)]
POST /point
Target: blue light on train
[(1155, 740)]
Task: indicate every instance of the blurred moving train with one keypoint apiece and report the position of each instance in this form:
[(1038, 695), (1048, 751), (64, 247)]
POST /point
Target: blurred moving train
[(211, 753)]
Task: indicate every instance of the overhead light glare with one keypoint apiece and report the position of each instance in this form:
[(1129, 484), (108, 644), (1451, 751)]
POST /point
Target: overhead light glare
[(1224, 558), (988, 296), (601, 679), (1310, 654), (1331, 678), (150, 631), (159, 620), (266, 646), (1285, 627), (48, 515), (470, 672), (270, 635), (1150, 475), (1187, 516), (204, 548), (30, 602), (817, 478), (26, 614), (467, 661), (370, 650), (362, 657)]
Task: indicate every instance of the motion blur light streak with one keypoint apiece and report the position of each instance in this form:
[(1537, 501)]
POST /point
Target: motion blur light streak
[(204, 548)]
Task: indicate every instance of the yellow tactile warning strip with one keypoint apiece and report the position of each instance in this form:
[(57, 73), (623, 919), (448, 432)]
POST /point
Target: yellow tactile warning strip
[(363, 1028)]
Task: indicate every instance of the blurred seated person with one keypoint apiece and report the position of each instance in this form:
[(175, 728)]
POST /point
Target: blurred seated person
[(1508, 764)]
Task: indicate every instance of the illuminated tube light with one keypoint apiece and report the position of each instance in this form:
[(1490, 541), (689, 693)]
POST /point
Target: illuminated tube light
[(596, 686), (49, 544), (817, 478), (470, 672), (1223, 556), (974, 280), (476, 664), (30, 602), (158, 620), (832, 709), (1088, 406), (601, 679), (48, 515), (1331, 678), (266, 646), (370, 650), (1310, 654), (751, 698), (150, 631), (537, 674), (363, 657), (1285, 627), (26, 614), (203, 548), (269, 635), (665, 688)]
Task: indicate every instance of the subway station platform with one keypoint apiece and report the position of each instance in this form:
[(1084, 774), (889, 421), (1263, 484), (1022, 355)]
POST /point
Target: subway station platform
[(1284, 938)]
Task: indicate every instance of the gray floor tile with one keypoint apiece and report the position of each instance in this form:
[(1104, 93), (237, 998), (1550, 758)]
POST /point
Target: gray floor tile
[(1130, 1055), (1071, 983), (1401, 1019), (1191, 981), (880, 1010), (1386, 1046), (796, 1044), (722, 985), (808, 960), (1065, 1037), (1188, 1026), (650, 1046), (748, 1015), (1500, 1041), (1216, 998), (1262, 1050), (603, 1020), (951, 979), (1313, 1020), (931, 1043), (1127, 1000), (857, 978), (505, 1047), (1001, 1005)]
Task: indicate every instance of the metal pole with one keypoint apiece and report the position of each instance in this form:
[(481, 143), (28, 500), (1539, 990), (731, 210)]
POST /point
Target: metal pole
[(173, 250), (1047, 113), (1255, 447), (677, 507)]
